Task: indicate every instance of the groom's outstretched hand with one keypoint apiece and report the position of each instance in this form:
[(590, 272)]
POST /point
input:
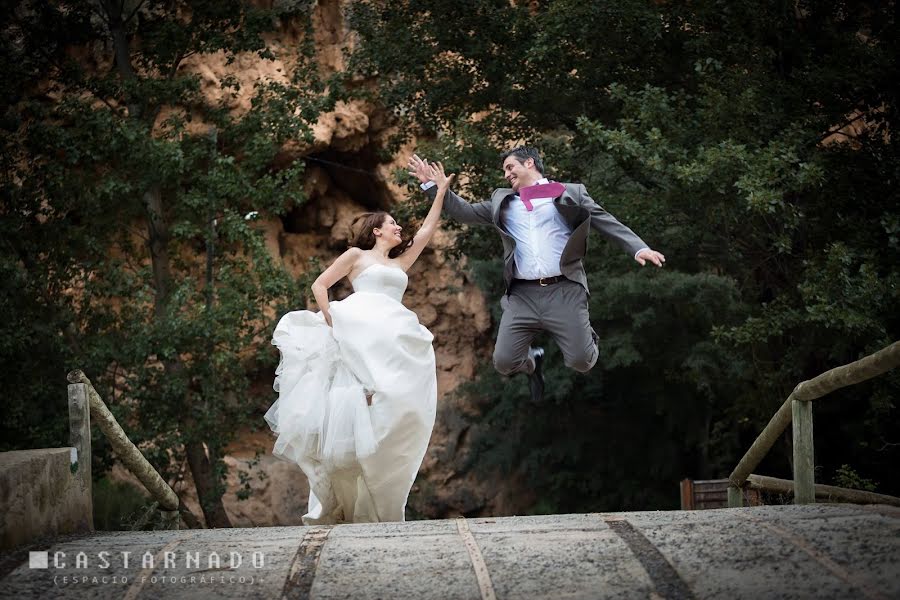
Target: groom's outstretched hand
[(419, 168), (650, 255)]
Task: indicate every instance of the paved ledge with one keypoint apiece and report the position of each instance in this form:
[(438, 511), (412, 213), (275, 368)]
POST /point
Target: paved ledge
[(818, 551)]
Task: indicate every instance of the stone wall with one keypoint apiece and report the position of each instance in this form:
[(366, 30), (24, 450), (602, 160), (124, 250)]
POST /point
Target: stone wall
[(42, 496)]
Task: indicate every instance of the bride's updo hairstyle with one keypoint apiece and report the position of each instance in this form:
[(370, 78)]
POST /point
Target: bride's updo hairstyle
[(365, 237)]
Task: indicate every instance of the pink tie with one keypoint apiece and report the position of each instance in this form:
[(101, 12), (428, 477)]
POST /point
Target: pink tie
[(541, 190)]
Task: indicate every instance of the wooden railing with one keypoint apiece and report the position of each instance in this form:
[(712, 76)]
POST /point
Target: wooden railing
[(798, 409), (85, 404)]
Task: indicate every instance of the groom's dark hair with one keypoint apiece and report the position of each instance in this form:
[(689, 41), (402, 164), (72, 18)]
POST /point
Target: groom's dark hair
[(523, 153)]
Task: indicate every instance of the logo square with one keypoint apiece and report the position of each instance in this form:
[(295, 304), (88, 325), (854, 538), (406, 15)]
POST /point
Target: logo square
[(37, 560)]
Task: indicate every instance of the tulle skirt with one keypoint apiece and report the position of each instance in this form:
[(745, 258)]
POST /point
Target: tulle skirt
[(361, 459)]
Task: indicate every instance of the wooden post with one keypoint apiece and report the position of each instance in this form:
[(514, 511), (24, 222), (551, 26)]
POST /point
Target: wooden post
[(125, 449), (735, 497), (80, 440), (687, 494), (762, 444), (804, 464), (80, 432)]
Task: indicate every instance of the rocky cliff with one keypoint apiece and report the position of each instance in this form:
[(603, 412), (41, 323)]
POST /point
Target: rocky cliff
[(344, 177)]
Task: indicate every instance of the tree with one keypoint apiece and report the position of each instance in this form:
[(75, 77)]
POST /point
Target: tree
[(751, 144), (128, 210)]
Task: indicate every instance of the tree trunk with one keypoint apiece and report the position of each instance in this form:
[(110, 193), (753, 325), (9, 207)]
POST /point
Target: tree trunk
[(157, 241), (209, 493), (208, 490)]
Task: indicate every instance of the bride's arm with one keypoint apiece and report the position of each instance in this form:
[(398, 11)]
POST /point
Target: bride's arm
[(432, 220), (339, 269)]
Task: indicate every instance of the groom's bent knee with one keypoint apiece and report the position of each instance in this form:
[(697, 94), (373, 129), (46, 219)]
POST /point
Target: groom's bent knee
[(507, 365), (583, 362)]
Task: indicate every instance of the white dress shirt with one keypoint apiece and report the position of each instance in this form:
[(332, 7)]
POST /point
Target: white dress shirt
[(541, 235)]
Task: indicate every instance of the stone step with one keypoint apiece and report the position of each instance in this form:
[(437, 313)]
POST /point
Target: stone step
[(815, 551)]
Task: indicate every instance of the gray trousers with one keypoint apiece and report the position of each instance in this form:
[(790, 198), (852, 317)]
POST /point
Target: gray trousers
[(560, 309)]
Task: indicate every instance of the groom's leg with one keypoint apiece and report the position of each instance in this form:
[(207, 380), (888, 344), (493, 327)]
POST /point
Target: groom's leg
[(518, 326), (565, 313)]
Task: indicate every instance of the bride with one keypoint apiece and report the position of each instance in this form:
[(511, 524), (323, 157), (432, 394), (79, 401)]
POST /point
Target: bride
[(357, 387)]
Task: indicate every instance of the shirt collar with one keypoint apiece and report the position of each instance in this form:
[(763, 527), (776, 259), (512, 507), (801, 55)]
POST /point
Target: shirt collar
[(540, 181)]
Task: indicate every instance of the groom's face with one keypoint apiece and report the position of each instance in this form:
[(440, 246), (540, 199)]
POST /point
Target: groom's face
[(519, 174)]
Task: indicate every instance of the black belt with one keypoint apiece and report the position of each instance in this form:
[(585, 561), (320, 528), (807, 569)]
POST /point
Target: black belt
[(543, 281)]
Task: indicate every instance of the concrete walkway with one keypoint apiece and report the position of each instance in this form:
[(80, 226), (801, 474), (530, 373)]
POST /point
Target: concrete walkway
[(821, 551)]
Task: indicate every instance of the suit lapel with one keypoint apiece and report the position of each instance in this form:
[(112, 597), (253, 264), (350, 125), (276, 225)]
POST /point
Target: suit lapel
[(570, 210), (500, 199)]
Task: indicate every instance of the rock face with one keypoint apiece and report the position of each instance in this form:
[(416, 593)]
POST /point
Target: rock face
[(345, 177)]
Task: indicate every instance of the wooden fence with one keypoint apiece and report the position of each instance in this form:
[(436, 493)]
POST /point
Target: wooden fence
[(85, 404), (798, 409)]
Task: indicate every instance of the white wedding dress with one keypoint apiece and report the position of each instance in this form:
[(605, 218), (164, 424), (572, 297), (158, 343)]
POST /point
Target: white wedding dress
[(361, 460)]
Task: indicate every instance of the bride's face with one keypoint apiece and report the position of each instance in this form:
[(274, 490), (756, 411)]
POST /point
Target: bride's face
[(389, 231)]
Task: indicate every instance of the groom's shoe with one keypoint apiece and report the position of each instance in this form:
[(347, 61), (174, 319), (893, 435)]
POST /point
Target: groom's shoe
[(536, 378)]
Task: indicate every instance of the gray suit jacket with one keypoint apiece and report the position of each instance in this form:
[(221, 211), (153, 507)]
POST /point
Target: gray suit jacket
[(577, 208)]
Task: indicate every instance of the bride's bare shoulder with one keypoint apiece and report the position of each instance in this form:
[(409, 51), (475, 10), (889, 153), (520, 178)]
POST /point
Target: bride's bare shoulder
[(353, 256), (360, 260)]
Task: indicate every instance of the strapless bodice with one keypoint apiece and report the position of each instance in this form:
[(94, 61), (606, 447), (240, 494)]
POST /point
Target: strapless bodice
[(382, 279)]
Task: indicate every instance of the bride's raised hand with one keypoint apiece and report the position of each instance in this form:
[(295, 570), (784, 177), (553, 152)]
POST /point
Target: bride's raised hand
[(437, 175)]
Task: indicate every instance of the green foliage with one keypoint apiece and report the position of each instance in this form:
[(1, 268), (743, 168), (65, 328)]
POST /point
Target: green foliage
[(245, 477), (129, 201), (117, 505), (847, 477), (714, 132)]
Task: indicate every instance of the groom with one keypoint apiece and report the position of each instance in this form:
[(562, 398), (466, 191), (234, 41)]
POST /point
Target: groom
[(544, 227)]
